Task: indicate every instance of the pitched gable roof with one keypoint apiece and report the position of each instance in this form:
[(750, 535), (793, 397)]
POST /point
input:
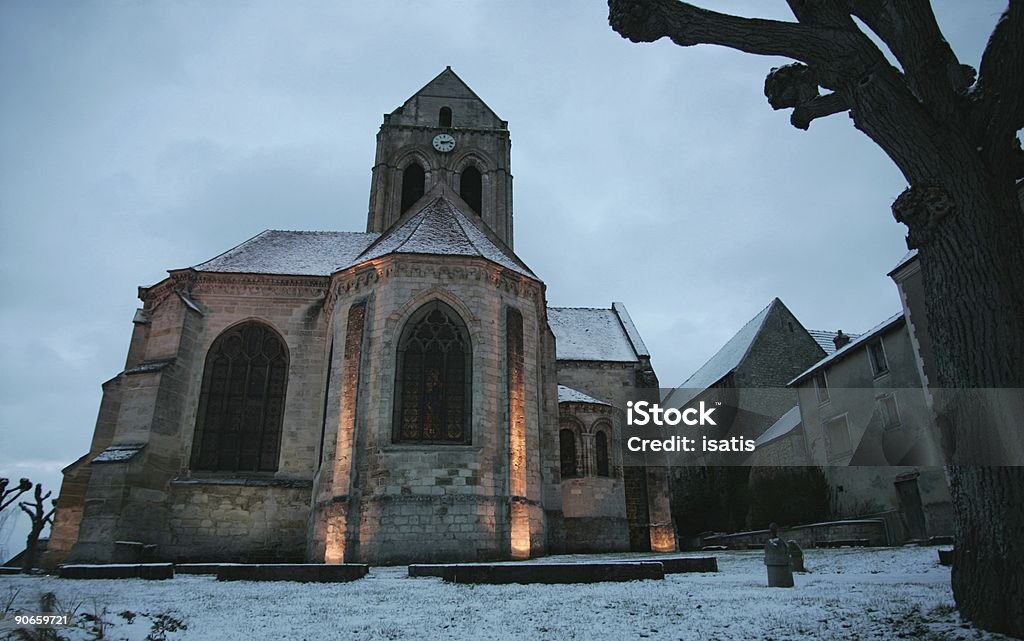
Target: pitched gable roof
[(824, 339), (594, 334), (850, 347), (570, 395), (291, 253), (448, 85), (439, 227)]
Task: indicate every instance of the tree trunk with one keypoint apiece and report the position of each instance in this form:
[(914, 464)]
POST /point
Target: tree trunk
[(31, 551)]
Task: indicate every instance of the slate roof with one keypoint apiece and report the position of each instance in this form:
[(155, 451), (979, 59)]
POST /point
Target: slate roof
[(293, 253), (570, 395), (440, 228), (786, 424), (593, 334), (723, 362), (909, 256), (824, 339), (850, 347)]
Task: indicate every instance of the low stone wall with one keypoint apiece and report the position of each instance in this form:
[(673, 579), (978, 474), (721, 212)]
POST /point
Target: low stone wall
[(682, 564), (871, 531), (118, 571), (302, 572), (500, 573)]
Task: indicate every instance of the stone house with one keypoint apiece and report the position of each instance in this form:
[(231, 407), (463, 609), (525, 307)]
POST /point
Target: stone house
[(385, 396)]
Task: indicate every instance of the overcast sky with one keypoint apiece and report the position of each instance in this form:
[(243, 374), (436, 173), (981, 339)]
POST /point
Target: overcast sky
[(140, 137)]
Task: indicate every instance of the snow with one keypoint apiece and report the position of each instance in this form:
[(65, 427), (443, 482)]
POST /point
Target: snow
[(781, 427), (589, 334), (722, 363), (864, 594), (910, 255), (854, 344), (824, 339), (118, 453), (569, 395), (440, 229), (296, 253)]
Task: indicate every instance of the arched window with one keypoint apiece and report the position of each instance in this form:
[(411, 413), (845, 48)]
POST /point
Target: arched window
[(471, 188), (567, 452), (601, 453), (432, 381), (241, 403), (412, 185), (444, 117)]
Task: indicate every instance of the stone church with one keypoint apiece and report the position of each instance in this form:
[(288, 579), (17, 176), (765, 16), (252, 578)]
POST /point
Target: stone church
[(402, 394)]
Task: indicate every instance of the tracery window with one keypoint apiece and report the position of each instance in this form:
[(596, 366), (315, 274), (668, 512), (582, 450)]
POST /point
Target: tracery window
[(241, 402), (432, 381), (567, 452), (413, 180)]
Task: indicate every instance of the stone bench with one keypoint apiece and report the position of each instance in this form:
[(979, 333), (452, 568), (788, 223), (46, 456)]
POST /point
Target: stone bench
[(152, 571), (302, 572), (542, 572), (681, 564)]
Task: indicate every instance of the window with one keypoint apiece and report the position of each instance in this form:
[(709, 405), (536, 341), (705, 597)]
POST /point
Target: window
[(241, 402), (567, 452), (412, 185), (601, 453), (889, 410), (821, 387), (471, 188), (444, 117), (837, 434), (876, 353), (432, 382)]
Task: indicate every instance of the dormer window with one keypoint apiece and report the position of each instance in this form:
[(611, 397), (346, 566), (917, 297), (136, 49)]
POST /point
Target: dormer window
[(444, 117)]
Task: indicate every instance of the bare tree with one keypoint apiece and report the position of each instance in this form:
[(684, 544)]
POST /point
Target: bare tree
[(952, 132), (40, 518), (8, 497)]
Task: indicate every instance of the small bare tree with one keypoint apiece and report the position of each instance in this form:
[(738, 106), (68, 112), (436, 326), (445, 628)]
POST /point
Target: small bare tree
[(36, 510)]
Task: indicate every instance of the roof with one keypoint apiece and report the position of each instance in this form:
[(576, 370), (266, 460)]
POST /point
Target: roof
[(850, 347), (824, 339), (786, 423), (569, 395), (593, 334), (293, 253), (909, 256), (725, 360), (441, 228)]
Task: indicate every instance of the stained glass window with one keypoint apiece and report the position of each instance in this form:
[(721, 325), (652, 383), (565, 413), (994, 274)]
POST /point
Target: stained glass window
[(241, 403), (432, 387)]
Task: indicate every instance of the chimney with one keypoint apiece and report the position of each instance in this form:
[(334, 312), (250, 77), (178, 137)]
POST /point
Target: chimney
[(840, 339)]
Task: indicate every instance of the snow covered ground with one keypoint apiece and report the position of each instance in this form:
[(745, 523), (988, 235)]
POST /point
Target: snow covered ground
[(858, 594)]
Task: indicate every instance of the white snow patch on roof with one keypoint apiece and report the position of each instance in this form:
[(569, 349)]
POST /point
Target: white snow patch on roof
[(570, 395), (909, 256), (297, 253), (824, 338), (781, 427), (589, 334), (441, 229)]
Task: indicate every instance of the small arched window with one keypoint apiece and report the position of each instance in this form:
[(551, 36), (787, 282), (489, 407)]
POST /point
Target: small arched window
[(444, 117), (241, 402), (567, 452), (432, 381), (471, 188), (601, 453), (412, 185)]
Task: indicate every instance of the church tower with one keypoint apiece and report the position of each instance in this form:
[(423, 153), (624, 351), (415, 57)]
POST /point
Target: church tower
[(445, 134)]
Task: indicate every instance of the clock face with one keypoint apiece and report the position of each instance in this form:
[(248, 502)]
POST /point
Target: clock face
[(444, 143)]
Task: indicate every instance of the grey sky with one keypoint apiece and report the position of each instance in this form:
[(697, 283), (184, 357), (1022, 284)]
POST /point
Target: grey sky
[(140, 137)]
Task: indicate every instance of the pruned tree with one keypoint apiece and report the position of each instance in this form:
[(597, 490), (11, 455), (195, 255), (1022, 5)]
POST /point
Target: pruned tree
[(40, 517), (9, 496), (953, 133)]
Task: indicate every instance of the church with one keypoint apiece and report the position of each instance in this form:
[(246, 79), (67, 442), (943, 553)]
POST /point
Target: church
[(403, 394)]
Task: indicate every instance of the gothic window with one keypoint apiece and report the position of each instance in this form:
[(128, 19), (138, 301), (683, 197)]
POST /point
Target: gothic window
[(444, 117), (471, 188), (241, 403), (567, 452), (432, 382), (601, 453), (412, 185)]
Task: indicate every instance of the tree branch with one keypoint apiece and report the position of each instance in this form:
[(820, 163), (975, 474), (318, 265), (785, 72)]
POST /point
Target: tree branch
[(820, 107), (999, 94), (909, 29), (23, 486), (687, 25)]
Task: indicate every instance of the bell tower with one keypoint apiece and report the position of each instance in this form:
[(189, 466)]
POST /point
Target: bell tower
[(443, 133)]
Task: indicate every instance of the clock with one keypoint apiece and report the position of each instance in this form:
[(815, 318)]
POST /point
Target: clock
[(444, 143)]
